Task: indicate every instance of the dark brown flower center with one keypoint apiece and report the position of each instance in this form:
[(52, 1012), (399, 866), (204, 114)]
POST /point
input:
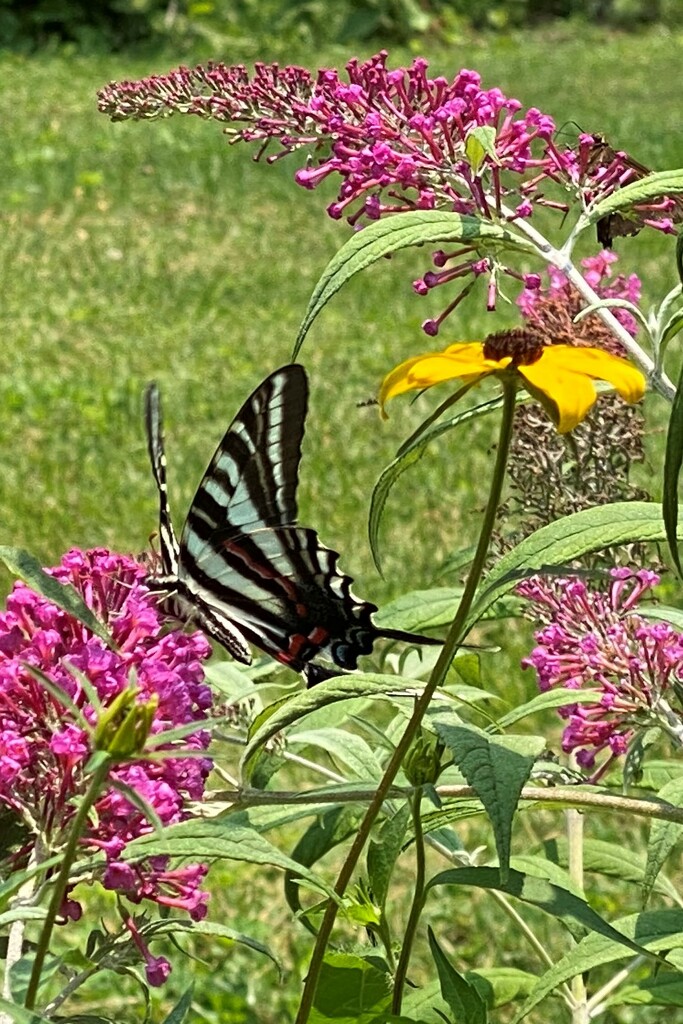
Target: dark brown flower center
[(523, 345)]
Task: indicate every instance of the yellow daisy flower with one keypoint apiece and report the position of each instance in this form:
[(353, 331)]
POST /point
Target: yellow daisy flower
[(560, 377)]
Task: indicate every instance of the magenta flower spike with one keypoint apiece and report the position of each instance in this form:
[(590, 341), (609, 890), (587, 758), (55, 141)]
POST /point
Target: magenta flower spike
[(45, 744)]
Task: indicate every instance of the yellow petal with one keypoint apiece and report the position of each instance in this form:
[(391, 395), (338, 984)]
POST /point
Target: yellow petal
[(628, 381), (397, 381), (463, 361), (567, 397)]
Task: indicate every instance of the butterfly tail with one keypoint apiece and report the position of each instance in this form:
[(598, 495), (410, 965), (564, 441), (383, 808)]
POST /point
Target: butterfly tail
[(155, 446), (409, 638)]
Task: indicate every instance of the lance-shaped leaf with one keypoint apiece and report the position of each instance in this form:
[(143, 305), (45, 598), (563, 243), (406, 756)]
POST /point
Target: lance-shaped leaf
[(216, 839), (672, 470), (401, 230), (496, 767), (552, 547), (307, 701), (383, 853), (553, 899), (654, 931), (461, 995), (644, 190), (410, 453), (27, 568), (351, 990), (181, 1009), (664, 835)]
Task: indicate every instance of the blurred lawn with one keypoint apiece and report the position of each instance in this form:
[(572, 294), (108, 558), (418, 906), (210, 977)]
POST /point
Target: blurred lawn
[(139, 251)]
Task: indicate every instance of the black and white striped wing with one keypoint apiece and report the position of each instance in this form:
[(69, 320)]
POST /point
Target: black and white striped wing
[(241, 553), (252, 478), (243, 570)]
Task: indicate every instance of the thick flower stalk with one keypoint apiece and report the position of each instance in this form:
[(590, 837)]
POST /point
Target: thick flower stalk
[(46, 742), (596, 639)]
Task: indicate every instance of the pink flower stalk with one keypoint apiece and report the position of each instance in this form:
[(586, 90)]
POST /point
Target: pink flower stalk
[(597, 639), (398, 139), (45, 746), (555, 306)]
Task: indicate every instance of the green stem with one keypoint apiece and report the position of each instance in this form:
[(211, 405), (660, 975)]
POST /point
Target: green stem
[(416, 906), (456, 634), (60, 886), (580, 1014)]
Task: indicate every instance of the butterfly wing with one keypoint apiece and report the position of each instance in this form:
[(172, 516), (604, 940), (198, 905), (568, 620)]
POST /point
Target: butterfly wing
[(251, 480), (283, 590)]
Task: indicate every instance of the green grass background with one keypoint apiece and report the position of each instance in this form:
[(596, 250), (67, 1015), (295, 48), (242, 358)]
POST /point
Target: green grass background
[(154, 250), (133, 252)]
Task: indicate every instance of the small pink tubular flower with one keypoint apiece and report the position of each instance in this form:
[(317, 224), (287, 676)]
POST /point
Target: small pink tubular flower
[(596, 639), (44, 748)]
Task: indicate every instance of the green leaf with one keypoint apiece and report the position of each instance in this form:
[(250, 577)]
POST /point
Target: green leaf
[(496, 768), (304, 702), (605, 858), (480, 143), (672, 469), (333, 826), (552, 899), (383, 853), (666, 989), (552, 547), (420, 609), (384, 237), (664, 835), (222, 932), (551, 699), (673, 325), (679, 257), (426, 1003), (181, 1008), (410, 453), (215, 839), (350, 991), (662, 613), (501, 985), (461, 995), (345, 747), (655, 931), (653, 186), (20, 1015), (27, 568)]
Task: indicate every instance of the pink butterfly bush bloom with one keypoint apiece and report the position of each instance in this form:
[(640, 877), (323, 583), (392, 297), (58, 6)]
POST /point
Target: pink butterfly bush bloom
[(555, 305), (44, 748), (597, 639), (399, 140)]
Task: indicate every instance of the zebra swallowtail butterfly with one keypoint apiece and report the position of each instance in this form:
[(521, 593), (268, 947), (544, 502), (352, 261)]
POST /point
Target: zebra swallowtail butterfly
[(243, 570)]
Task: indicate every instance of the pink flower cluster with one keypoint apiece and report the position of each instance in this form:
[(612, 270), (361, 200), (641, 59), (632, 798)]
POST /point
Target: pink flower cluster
[(398, 139), (596, 639), (396, 133), (44, 746), (536, 302)]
